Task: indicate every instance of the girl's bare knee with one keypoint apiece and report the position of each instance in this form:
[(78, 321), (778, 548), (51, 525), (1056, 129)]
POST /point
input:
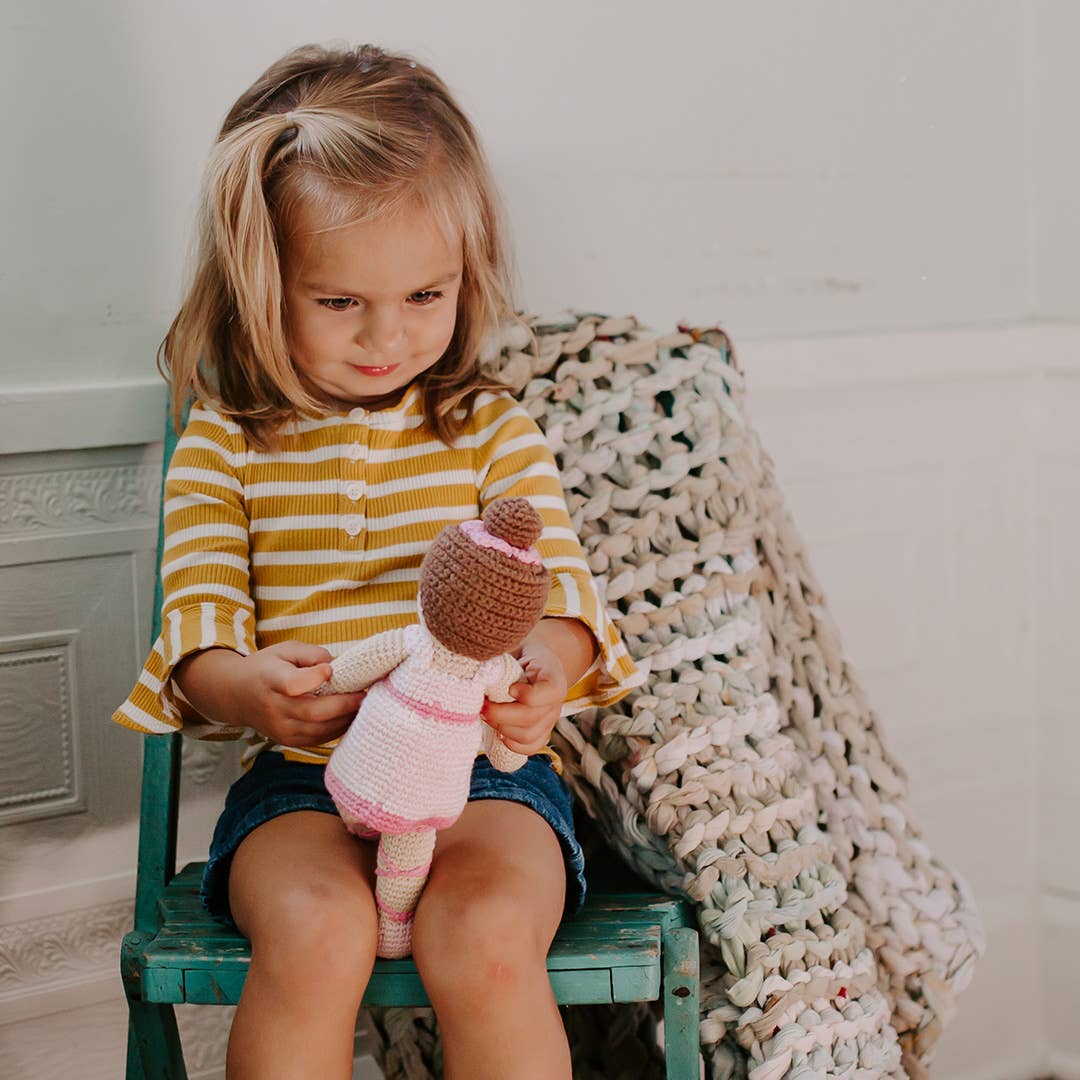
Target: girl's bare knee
[(475, 949), (317, 932)]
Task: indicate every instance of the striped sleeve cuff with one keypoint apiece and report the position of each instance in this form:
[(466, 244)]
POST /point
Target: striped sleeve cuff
[(153, 706), (613, 673)]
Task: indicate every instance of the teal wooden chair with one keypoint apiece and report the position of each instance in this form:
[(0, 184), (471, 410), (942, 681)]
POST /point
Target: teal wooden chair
[(629, 944)]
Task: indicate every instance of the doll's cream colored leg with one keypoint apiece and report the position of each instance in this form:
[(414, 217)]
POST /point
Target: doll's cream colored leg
[(500, 756), (401, 870)]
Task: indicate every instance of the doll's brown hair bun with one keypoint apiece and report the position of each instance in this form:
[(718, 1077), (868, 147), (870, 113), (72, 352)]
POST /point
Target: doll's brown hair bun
[(515, 521)]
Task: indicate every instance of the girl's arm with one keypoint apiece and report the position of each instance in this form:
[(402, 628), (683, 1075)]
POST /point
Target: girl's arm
[(207, 648), (271, 691), (570, 640)]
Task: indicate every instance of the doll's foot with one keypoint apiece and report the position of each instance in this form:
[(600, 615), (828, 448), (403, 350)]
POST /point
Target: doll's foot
[(395, 935)]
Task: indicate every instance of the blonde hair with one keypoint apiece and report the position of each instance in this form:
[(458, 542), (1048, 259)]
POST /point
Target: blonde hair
[(354, 133)]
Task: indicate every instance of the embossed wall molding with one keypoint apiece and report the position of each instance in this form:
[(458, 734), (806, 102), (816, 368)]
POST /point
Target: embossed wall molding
[(39, 769), (40, 503), (49, 954)]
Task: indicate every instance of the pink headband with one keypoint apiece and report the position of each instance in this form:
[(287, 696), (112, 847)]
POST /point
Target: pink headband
[(476, 532)]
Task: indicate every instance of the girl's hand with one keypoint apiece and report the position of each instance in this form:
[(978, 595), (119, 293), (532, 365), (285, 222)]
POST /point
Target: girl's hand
[(525, 724), (272, 691)]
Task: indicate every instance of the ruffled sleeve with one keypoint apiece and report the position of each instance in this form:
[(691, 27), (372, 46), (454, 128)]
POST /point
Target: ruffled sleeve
[(205, 575), (516, 460)]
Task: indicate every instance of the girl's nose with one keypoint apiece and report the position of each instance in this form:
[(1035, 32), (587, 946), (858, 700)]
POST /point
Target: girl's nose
[(381, 333)]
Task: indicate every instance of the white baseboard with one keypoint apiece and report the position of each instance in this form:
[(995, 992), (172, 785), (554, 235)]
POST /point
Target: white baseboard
[(1064, 1066), (91, 989), (1018, 1068), (71, 896)]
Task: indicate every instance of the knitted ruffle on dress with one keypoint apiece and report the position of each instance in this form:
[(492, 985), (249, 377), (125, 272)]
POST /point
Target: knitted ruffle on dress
[(748, 774)]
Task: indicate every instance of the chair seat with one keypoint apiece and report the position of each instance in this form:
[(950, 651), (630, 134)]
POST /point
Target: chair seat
[(610, 952)]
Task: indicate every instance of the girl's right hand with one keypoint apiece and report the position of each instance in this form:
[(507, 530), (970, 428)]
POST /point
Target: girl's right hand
[(272, 691)]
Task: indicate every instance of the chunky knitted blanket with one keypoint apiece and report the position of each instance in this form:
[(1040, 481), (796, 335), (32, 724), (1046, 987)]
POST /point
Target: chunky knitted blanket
[(748, 774)]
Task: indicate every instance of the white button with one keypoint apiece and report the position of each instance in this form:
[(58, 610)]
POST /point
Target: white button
[(354, 524), (357, 413), (354, 491), (355, 452)]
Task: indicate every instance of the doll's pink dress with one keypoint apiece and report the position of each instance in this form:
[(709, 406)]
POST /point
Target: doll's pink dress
[(406, 761)]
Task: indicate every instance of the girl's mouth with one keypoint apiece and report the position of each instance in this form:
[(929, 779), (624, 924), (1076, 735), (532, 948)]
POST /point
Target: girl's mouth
[(366, 370)]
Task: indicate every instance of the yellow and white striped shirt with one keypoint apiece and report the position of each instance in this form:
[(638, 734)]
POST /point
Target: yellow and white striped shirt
[(321, 541)]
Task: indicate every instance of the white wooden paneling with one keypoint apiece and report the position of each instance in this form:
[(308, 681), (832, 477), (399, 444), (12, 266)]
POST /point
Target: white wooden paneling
[(934, 478), (1055, 544), (999, 1032), (77, 538), (1061, 957)]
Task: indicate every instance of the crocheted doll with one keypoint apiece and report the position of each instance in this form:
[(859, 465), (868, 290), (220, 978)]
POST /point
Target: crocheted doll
[(402, 770)]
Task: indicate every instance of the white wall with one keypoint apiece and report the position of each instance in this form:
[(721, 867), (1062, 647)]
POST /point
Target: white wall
[(786, 168), (795, 171), (1053, 82)]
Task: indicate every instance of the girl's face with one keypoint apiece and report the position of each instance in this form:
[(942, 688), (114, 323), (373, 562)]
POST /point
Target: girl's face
[(370, 306)]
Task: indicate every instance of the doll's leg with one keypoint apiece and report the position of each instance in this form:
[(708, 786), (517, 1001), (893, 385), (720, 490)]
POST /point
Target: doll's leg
[(400, 872), (501, 756)]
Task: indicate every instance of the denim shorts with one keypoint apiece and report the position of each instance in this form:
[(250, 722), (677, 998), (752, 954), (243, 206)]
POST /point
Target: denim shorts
[(274, 786)]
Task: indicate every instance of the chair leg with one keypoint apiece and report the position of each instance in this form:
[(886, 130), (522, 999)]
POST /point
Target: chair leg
[(154, 1051), (682, 1041)]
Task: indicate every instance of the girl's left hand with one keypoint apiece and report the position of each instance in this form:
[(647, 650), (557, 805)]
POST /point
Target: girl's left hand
[(525, 723)]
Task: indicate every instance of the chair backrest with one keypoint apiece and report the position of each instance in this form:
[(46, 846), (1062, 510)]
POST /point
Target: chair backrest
[(159, 804)]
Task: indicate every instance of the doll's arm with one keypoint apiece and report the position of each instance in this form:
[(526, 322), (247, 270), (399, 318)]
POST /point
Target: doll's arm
[(366, 661), (508, 673), (501, 756), (498, 753)]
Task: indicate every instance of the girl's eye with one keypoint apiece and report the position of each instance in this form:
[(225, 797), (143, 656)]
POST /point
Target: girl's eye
[(338, 303), (424, 297)]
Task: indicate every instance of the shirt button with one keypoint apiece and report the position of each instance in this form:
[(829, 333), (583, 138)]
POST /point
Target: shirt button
[(353, 524), (357, 414), (354, 491), (355, 452)]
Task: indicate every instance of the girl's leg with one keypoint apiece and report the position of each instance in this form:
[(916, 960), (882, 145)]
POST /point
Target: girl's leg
[(302, 889), (483, 927)]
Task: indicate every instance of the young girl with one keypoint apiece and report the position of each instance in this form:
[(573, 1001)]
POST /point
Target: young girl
[(351, 267)]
